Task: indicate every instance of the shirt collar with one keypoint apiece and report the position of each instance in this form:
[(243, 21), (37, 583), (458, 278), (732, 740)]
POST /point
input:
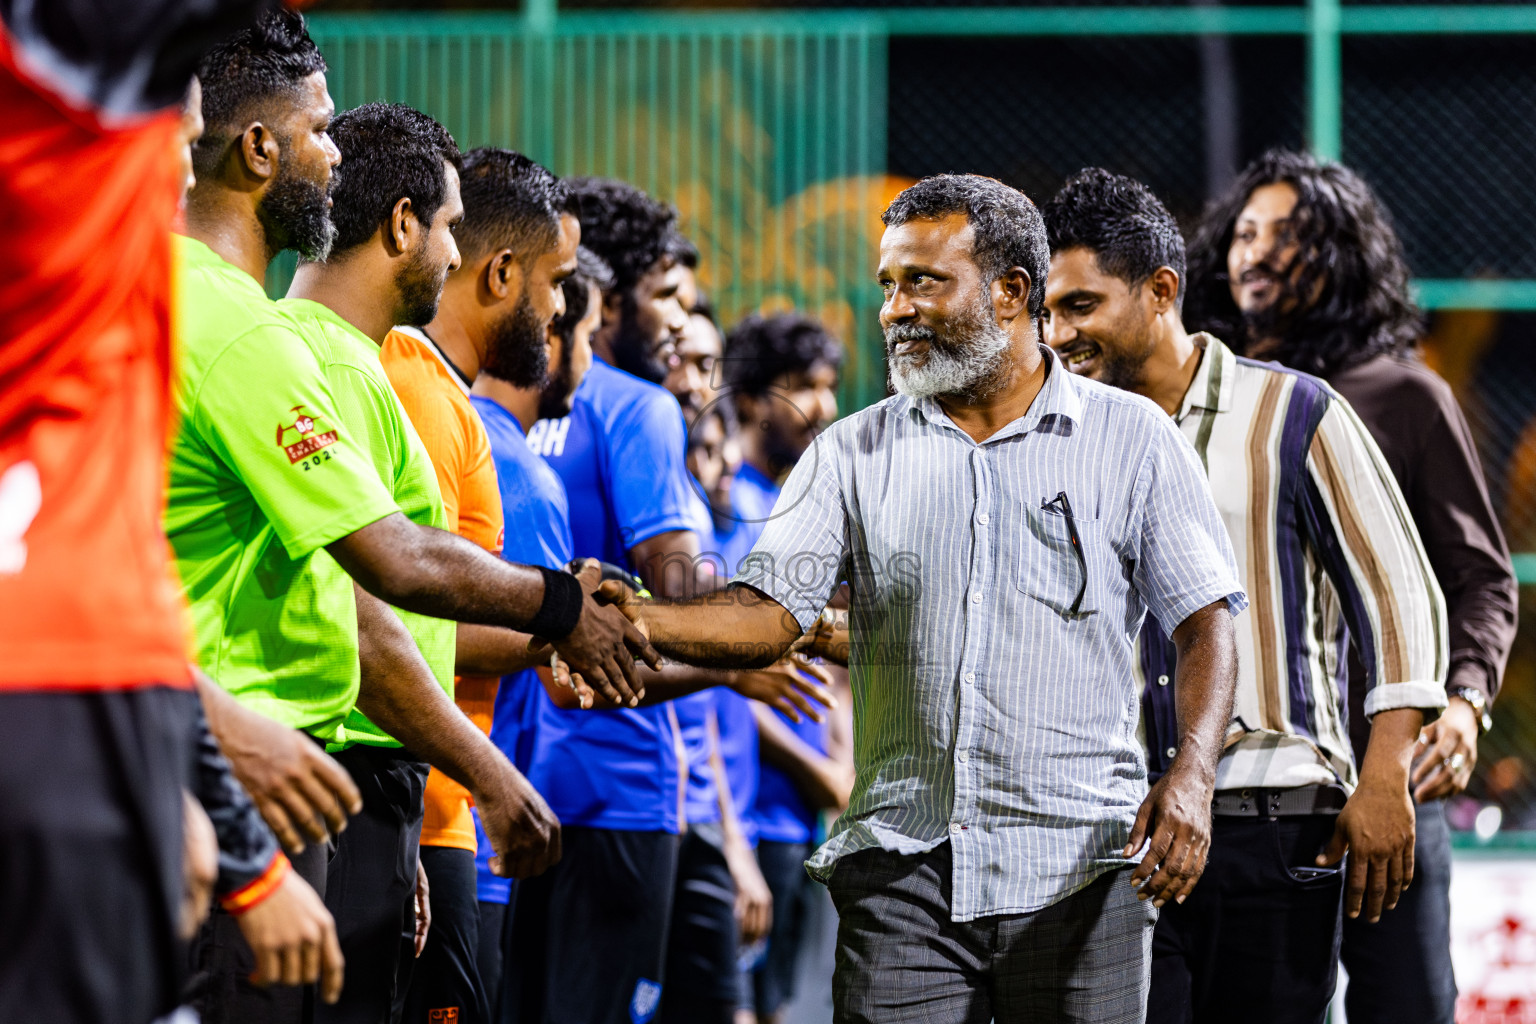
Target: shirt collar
[(1059, 397), (1212, 387), (198, 254), (457, 374)]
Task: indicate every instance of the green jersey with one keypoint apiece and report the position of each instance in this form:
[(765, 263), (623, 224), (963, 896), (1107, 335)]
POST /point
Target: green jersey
[(367, 404), (264, 473)]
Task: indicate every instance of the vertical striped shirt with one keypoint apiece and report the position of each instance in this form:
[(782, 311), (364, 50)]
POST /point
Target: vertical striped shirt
[(1324, 541), (995, 703)]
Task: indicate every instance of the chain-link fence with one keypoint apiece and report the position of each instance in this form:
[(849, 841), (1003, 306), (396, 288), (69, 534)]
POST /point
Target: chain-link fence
[(780, 134)]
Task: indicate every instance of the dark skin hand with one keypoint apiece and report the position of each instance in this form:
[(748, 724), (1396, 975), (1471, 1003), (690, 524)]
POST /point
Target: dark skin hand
[(795, 686), (400, 696), (1454, 732), (1376, 826), (1175, 819), (300, 791), (437, 573)]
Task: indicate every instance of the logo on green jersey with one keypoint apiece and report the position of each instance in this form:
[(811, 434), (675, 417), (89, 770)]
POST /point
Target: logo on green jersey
[(299, 439)]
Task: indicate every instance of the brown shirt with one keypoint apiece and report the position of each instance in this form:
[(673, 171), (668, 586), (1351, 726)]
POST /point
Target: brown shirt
[(1413, 416)]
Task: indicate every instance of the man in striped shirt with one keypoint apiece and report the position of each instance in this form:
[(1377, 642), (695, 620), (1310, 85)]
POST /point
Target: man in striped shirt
[(1326, 541), (1005, 526)]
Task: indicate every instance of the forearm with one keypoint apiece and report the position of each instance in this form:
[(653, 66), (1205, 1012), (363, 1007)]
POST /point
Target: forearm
[(1205, 681), (220, 709), (400, 695), (734, 628), (494, 651), (247, 846), (437, 573), (1389, 753), (815, 775)]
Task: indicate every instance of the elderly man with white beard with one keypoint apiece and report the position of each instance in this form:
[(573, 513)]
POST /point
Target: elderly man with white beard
[(1004, 527)]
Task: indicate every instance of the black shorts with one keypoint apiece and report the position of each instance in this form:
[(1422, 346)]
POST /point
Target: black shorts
[(703, 983), (90, 853), (589, 936), (446, 984), (370, 885), (783, 865)]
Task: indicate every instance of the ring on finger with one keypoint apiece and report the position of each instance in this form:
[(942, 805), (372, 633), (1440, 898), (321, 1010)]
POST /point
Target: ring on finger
[(1455, 762)]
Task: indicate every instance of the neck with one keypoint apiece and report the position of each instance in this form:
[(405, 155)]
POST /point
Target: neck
[(984, 415), (362, 295), (226, 222), (602, 342), (461, 341), (1168, 372), (522, 403), (755, 454)]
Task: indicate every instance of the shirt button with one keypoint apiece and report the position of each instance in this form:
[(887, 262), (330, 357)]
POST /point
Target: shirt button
[(962, 757), (1172, 751), (970, 677), (976, 598), (1162, 680), (954, 826), (982, 519)]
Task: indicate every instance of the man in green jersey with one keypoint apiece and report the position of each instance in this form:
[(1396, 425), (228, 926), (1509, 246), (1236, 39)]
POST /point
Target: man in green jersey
[(271, 488)]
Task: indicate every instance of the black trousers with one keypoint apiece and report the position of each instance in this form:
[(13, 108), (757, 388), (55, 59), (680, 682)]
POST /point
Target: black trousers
[(222, 963), (703, 982), (370, 885), (1400, 967), (1260, 933), (446, 984), (607, 903), (90, 853), (495, 937)]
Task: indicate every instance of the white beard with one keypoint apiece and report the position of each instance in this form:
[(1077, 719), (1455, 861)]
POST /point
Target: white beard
[(946, 372)]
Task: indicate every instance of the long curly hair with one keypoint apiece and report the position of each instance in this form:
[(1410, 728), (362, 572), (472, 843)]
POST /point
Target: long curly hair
[(1349, 258)]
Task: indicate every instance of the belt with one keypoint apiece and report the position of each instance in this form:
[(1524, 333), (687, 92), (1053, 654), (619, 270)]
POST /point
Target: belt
[(1278, 803)]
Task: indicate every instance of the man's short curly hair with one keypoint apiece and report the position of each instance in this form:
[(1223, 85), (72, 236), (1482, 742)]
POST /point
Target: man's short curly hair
[(389, 152), (509, 201), (761, 349), (631, 231), (1118, 219), (244, 74), (1008, 229)]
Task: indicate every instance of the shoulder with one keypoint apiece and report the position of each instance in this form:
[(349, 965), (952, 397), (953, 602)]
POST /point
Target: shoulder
[(1114, 417), (1403, 377)]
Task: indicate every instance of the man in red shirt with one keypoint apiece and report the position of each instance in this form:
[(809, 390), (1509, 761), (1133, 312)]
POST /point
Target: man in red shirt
[(98, 717)]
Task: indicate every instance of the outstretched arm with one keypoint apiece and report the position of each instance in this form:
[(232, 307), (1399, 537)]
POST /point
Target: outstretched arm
[(738, 627)]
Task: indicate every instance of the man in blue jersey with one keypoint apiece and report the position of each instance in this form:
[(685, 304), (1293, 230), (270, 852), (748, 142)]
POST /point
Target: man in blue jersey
[(526, 383), (781, 373)]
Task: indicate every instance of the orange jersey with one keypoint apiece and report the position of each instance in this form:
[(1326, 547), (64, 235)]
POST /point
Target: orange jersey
[(436, 399), (87, 595)]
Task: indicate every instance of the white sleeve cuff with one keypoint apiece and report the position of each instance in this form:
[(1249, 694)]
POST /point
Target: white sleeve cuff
[(1426, 695)]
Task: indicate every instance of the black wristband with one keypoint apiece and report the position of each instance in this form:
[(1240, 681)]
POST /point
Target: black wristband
[(561, 608)]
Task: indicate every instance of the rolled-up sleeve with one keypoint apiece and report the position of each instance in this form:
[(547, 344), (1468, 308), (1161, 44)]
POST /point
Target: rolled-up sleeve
[(1372, 554), (1184, 554), (799, 559)]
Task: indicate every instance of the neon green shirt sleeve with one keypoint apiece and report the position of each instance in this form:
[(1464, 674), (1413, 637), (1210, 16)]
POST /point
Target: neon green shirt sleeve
[(265, 408)]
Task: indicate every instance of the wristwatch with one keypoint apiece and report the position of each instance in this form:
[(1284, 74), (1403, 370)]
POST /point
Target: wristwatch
[(1472, 695)]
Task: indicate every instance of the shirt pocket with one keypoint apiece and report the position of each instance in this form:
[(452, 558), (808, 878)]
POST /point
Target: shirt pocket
[(1052, 569)]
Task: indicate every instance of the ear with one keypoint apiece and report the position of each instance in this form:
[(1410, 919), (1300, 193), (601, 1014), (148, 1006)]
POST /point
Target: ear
[(1010, 294), (403, 226), (503, 275), (259, 151), (1164, 288), (613, 304)]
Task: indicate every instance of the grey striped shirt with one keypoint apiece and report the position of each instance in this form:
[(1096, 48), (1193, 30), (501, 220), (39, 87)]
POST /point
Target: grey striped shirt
[(986, 712)]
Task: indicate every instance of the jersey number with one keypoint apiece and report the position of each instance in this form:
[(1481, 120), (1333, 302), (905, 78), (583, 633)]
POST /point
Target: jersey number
[(316, 459)]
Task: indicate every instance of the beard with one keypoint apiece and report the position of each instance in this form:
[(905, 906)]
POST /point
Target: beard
[(295, 215), (633, 352), (420, 286), (559, 389), (967, 356), (515, 350)]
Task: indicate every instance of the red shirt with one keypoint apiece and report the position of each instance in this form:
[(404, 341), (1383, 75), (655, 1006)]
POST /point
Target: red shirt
[(87, 595)]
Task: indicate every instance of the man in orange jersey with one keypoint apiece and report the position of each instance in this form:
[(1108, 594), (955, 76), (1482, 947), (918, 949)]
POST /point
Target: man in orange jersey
[(516, 247), (100, 729)]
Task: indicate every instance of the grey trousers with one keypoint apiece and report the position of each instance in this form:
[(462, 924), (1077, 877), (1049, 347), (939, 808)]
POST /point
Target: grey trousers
[(900, 959)]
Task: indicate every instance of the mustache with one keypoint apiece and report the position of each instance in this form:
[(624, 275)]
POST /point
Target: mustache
[(898, 333)]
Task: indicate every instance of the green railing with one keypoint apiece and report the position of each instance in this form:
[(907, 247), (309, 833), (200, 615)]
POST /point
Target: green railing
[(767, 128)]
